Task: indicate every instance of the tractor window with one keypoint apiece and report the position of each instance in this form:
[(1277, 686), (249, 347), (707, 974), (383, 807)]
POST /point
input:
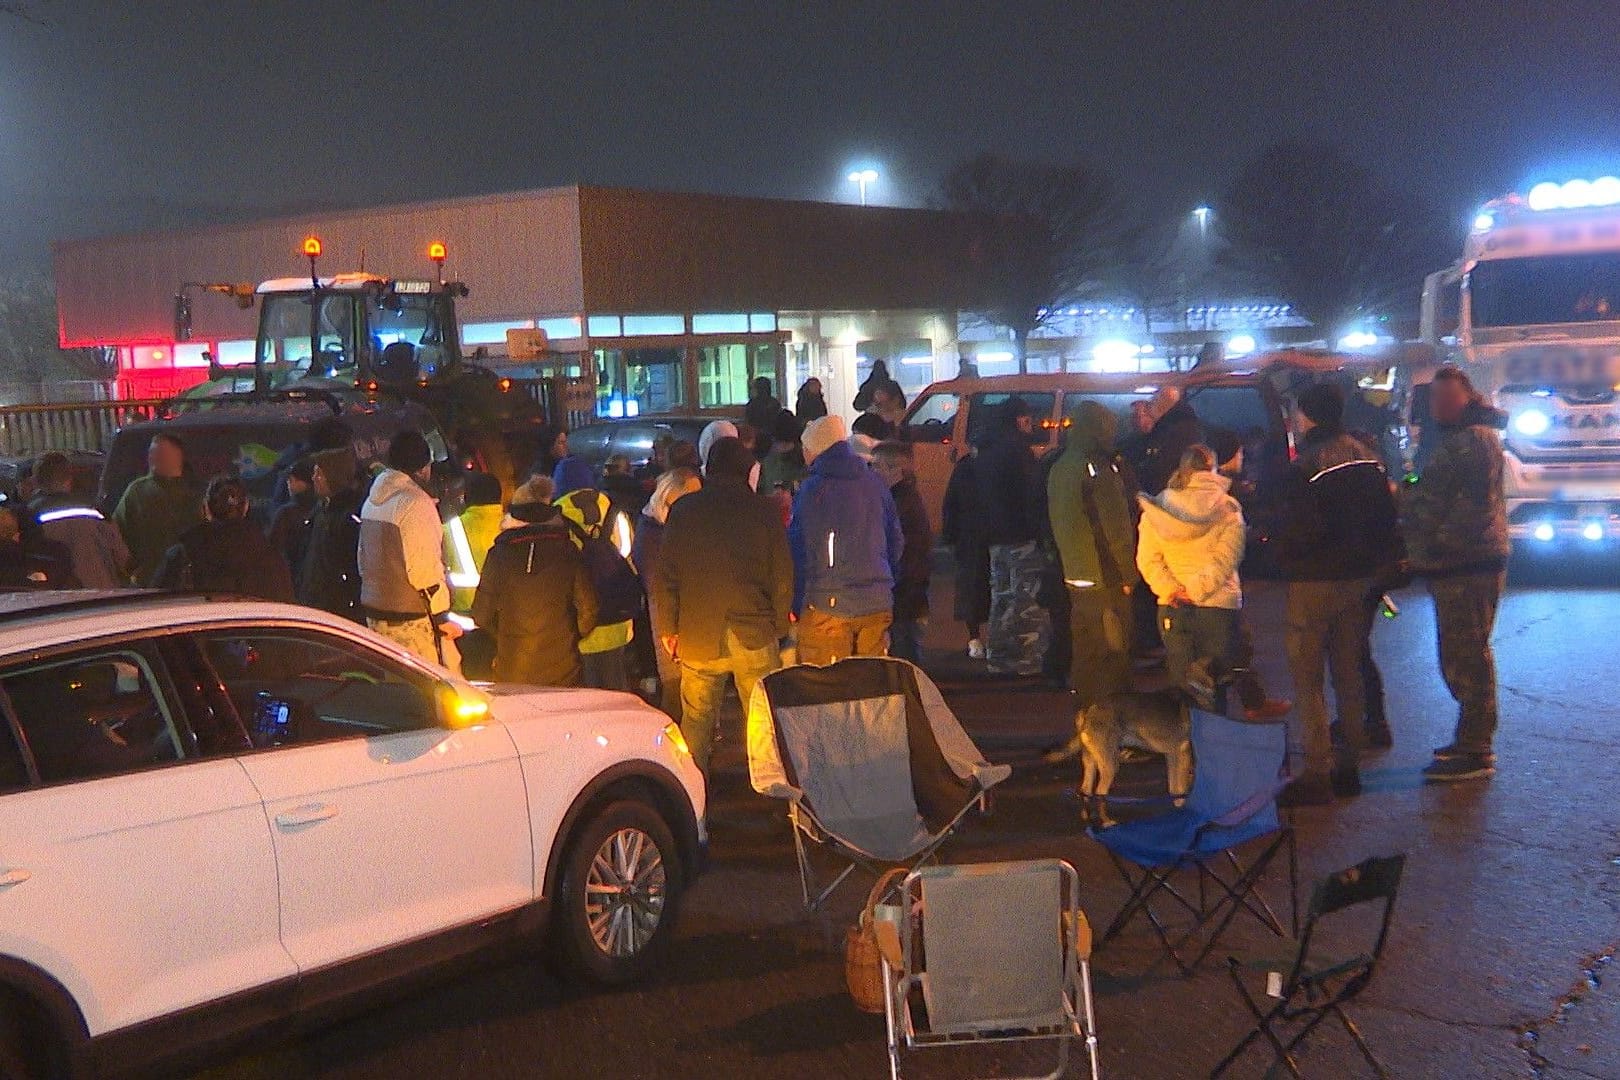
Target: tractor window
[(411, 319)]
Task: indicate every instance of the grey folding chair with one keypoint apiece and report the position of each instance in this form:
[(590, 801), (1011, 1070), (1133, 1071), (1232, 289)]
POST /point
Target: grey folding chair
[(993, 952), (873, 765)]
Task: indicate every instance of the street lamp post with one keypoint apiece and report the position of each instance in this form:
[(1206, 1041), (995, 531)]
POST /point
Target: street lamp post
[(860, 178)]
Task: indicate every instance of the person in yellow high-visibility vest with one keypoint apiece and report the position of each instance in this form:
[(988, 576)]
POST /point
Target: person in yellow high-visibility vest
[(603, 650), (469, 536)]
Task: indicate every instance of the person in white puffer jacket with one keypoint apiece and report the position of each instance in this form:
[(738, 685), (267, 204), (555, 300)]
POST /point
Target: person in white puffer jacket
[(1190, 544)]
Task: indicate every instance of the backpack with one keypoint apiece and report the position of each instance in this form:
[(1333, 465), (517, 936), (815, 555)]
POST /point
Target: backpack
[(619, 594)]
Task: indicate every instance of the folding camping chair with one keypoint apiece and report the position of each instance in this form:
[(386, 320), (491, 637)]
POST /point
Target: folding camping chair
[(873, 765), (1233, 804), (1317, 986), (996, 952)]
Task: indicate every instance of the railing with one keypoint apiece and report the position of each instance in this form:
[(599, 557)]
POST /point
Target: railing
[(34, 429)]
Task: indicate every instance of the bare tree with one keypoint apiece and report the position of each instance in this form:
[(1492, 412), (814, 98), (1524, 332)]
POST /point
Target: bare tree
[(1326, 235), (1044, 236)]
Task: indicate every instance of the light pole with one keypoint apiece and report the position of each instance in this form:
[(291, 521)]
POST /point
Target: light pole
[(860, 178)]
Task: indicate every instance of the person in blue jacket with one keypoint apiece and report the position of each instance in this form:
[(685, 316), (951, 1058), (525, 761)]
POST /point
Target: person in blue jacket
[(846, 540)]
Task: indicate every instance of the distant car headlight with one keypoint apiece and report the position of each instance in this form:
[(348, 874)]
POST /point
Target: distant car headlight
[(1593, 530), (1545, 532), (1532, 422)]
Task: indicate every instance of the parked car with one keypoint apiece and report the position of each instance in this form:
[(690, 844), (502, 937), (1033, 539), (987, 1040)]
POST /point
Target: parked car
[(949, 416), (219, 816), (632, 438)]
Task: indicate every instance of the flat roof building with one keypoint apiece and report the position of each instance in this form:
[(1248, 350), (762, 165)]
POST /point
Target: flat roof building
[(669, 302)]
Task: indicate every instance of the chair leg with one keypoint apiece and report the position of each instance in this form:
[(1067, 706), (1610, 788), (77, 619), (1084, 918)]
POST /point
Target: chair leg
[(1090, 1013), (888, 1019), (1361, 1042), (1262, 1026)]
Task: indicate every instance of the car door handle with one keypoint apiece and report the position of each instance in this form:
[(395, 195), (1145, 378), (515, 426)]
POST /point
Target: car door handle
[(14, 877), (306, 815)]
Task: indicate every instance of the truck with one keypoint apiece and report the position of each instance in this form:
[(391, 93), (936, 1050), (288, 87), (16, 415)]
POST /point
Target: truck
[(1532, 313), (378, 353)]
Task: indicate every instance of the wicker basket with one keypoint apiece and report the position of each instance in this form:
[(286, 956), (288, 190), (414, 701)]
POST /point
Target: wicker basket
[(863, 960)]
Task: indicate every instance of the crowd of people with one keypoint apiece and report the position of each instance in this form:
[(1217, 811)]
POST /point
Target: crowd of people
[(792, 535)]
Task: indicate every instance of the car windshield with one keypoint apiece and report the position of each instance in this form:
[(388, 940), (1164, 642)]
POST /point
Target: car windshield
[(1545, 290)]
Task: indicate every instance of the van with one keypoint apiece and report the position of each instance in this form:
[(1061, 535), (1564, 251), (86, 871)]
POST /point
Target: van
[(950, 416)]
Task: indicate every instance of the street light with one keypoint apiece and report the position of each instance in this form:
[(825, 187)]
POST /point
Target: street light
[(1202, 214), (860, 178)]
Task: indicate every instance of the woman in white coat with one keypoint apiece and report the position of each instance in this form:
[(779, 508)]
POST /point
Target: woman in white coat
[(1190, 544)]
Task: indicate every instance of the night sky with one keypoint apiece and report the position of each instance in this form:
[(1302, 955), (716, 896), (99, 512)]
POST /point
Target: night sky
[(116, 116)]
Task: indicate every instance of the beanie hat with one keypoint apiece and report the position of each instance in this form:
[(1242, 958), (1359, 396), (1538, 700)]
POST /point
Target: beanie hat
[(409, 452), (571, 474), (713, 433), (821, 433), (729, 459), (1323, 404)]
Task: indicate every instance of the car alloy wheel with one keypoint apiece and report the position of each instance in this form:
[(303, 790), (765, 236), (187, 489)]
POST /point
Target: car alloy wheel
[(625, 893)]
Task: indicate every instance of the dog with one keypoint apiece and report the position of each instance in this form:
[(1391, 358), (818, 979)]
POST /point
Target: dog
[(1157, 721)]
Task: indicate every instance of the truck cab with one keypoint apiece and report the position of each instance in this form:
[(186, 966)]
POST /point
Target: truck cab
[(1538, 330)]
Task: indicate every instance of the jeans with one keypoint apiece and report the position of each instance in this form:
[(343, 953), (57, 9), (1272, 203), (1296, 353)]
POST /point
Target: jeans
[(1100, 643), (1328, 624), (824, 638), (608, 670), (1464, 616), (905, 639), (703, 688)]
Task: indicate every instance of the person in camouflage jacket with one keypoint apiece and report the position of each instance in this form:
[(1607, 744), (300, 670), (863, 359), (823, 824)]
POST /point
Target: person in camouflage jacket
[(1455, 523)]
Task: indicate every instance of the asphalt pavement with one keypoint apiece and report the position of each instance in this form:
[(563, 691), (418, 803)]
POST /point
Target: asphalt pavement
[(1499, 962)]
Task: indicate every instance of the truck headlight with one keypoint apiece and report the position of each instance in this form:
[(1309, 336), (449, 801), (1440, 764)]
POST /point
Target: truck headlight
[(1532, 422)]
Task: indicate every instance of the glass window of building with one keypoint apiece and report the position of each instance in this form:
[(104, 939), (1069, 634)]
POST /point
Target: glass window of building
[(724, 372), (632, 382)]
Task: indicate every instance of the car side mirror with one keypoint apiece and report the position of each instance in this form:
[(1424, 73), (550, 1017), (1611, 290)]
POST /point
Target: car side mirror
[(462, 705)]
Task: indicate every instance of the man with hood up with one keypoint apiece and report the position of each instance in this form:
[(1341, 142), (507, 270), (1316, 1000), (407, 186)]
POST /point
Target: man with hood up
[(535, 596), (1457, 534), (403, 589), (1096, 541), (847, 543)]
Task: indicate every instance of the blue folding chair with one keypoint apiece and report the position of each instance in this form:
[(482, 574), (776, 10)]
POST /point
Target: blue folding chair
[(1233, 804)]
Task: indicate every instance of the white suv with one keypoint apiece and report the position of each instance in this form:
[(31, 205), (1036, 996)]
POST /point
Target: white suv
[(216, 814)]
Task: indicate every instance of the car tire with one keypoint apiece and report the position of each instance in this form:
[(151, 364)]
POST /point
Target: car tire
[(620, 890)]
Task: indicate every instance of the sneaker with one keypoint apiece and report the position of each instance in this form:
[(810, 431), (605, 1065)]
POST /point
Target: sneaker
[(1269, 709), (975, 649), (1461, 767), (1451, 751), (1307, 790)]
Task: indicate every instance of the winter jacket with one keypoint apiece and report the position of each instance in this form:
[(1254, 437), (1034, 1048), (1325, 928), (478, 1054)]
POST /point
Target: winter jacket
[(536, 598), (1088, 506), (961, 525), (330, 577), (781, 469), (96, 552), (226, 556), (724, 564), (845, 536), (760, 413), (645, 552), (289, 530), (1006, 474), (1455, 517), (593, 512), (1192, 542), (152, 513), (917, 558), (401, 551), (808, 406), (1174, 433), (1338, 520), (478, 526)]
